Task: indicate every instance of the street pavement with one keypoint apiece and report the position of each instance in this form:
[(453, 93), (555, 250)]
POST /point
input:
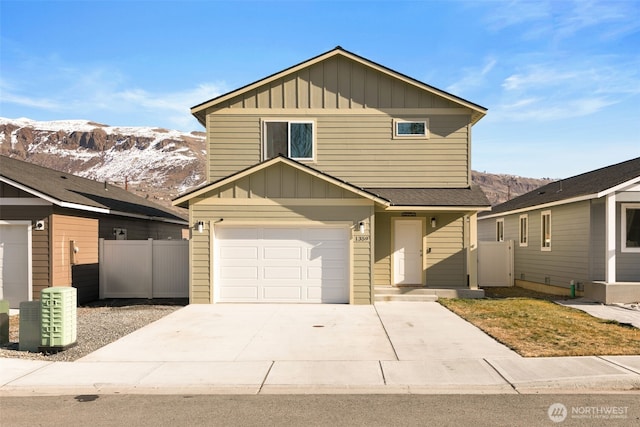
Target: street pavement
[(390, 347)]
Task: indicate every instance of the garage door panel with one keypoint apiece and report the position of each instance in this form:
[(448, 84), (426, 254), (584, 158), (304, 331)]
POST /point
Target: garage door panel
[(238, 252), (235, 272), (239, 293), (326, 273), (282, 293), (282, 273), (282, 253)]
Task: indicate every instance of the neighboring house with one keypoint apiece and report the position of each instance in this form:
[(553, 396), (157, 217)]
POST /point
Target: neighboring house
[(583, 230), (330, 178), (50, 223)]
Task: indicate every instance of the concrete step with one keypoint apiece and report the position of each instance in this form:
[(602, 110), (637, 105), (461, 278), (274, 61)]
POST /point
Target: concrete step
[(391, 293)]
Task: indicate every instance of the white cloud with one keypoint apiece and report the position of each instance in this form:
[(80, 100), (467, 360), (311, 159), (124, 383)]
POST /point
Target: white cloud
[(474, 77), (102, 93), (553, 91)]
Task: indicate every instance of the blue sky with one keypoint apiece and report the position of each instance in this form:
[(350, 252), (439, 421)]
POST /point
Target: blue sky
[(560, 78)]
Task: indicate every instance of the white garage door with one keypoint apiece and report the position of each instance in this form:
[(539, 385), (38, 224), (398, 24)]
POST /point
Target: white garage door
[(282, 264), (15, 264)]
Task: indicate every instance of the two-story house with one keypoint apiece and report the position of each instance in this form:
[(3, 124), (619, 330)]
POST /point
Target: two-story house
[(330, 179)]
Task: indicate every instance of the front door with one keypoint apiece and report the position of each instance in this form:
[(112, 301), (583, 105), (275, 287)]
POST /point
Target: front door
[(407, 252)]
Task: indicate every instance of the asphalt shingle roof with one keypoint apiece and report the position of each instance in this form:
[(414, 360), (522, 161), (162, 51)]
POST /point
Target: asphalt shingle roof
[(472, 196), (584, 184), (70, 188)]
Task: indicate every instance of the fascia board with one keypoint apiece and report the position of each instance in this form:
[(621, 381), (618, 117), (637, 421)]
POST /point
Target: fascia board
[(542, 206)]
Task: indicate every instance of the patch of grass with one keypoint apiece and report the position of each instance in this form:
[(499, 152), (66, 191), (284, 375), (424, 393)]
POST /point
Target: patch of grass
[(535, 327)]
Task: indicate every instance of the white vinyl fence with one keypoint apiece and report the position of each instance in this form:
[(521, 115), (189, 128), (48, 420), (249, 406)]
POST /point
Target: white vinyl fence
[(144, 268), (495, 263)]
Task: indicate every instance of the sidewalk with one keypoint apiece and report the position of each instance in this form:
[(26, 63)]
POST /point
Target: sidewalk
[(267, 349)]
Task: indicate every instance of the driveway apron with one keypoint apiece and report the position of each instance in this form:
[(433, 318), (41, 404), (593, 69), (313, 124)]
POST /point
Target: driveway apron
[(288, 332)]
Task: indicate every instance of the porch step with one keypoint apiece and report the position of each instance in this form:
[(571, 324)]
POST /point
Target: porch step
[(389, 293), (420, 294)]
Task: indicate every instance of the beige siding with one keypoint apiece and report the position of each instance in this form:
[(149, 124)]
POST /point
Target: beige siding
[(338, 82), (359, 148), (446, 261), (353, 107), (446, 254)]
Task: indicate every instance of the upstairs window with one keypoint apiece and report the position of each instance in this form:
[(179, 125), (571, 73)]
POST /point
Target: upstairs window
[(500, 230), (410, 129), (294, 139), (545, 220), (524, 230), (631, 228)]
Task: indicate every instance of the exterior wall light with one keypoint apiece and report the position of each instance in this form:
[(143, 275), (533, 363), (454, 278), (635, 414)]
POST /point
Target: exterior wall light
[(361, 225), (200, 226), (433, 222)]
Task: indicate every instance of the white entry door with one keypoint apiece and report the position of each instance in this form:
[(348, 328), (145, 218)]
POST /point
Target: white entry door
[(407, 252), (15, 262), (282, 264)]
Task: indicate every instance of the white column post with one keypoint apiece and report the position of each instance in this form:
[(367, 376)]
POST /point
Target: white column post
[(610, 239)]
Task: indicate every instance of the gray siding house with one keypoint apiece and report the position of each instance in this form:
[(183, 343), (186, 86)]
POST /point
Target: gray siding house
[(583, 230), (332, 179)]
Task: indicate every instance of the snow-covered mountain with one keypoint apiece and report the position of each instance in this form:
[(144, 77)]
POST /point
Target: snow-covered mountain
[(151, 162)]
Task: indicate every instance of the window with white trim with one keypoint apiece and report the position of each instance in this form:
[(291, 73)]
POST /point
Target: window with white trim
[(630, 226), (418, 129), (545, 227), (294, 139), (523, 230), (500, 230)]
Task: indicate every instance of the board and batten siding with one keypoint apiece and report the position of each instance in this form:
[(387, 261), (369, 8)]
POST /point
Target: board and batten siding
[(353, 107), (445, 263), (338, 82)]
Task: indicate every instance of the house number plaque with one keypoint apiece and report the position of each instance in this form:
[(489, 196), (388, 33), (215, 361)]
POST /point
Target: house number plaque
[(362, 238)]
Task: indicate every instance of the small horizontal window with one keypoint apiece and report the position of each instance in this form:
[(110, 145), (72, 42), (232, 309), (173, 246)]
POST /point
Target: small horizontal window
[(411, 129)]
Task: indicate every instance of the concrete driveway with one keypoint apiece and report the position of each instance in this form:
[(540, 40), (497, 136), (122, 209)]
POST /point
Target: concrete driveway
[(313, 332)]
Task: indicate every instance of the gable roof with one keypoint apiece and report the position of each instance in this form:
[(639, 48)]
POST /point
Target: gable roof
[(199, 111), (589, 185), (183, 199), (74, 192), (450, 198)]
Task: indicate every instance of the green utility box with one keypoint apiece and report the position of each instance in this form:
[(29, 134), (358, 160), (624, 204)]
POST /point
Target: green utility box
[(58, 319)]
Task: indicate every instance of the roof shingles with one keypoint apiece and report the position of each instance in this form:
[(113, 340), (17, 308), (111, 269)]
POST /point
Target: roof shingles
[(72, 189), (586, 184)]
